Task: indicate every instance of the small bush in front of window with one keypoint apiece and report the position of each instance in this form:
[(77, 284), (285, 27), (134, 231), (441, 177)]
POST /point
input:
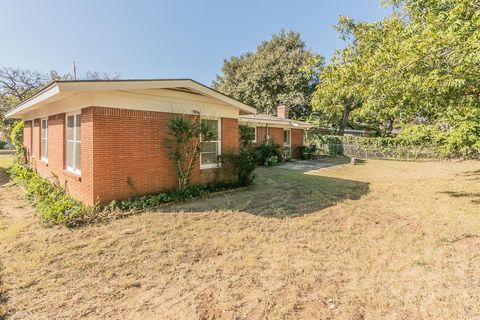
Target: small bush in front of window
[(246, 135), (268, 153), (184, 144), (244, 164)]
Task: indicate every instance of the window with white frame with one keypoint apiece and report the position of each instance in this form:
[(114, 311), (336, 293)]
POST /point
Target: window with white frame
[(31, 137), (44, 139), (287, 144), (73, 142), (286, 137), (210, 150)]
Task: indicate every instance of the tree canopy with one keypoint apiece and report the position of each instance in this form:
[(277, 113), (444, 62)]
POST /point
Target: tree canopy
[(418, 66), (281, 71)]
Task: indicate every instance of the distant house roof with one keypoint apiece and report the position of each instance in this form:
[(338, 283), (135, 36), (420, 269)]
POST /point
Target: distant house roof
[(273, 120), (59, 90)]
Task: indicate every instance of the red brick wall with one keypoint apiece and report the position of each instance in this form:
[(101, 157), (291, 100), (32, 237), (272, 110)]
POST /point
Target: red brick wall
[(27, 137), (297, 140), (130, 157), (276, 135), (123, 154), (261, 131), (80, 187)]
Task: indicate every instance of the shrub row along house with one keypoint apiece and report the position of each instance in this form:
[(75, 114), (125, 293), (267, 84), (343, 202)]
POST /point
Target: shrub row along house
[(104, 140)]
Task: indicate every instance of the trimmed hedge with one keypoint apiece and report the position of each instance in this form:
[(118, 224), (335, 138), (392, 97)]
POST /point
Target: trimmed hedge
[(460, 141), (372, 147)]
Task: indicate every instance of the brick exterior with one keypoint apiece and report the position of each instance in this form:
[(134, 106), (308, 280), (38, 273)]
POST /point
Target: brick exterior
[(276, 135), (27, 137), (123, 154), (297, 140)]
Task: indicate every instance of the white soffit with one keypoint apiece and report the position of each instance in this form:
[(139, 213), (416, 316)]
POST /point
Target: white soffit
[(58, 90)]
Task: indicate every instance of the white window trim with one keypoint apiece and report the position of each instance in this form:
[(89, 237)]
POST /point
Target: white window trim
[(74, 114), (44, 159), (255, 137), (289, 145), (289, 138), (219, 147), (32, 127)]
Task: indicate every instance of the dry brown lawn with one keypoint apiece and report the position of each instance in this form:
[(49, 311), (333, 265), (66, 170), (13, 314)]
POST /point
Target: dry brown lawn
[(402, 241)]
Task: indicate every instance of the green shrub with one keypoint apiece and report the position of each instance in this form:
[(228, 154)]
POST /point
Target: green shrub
[(189, 192), (184, 143), (246, 136), (271, 161), (460, 139), (244, 164), (372, 146), (16, 136), (50, 199), (307, 152), (55, 206), (2, 144), (268, 154)]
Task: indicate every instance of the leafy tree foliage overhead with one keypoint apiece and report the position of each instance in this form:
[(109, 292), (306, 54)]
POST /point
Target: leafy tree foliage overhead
[(281, 71), (419, 65)]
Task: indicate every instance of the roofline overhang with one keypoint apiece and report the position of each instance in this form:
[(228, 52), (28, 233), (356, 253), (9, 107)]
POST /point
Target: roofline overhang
[(61, 86), (280, 122)]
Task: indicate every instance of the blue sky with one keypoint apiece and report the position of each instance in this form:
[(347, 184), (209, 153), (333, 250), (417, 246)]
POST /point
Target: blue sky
[(162, 39)]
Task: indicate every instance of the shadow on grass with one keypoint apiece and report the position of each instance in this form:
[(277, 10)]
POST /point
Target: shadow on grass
[(5, 163), (279, 192), (472, 175), (461, 194)]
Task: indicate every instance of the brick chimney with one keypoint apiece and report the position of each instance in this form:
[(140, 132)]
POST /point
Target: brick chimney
[(282, 111)]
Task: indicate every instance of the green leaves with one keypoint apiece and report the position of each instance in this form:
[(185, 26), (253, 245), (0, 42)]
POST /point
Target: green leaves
[(281, 71), (419, 67)]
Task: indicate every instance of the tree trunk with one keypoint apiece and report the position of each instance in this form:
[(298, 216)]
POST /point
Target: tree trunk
[(343, 124)]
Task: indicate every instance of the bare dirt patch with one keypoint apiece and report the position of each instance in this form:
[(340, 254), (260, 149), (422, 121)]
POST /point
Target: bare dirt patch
[(404, 249)]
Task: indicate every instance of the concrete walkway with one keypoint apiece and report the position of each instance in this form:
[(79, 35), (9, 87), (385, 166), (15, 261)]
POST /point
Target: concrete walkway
[(313, 165)]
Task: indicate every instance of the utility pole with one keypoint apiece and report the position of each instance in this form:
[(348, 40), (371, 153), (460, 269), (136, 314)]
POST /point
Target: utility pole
[(74, 71)]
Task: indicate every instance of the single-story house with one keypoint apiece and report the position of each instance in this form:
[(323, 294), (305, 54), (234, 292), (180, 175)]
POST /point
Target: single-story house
[(288, 133), (104, 139)]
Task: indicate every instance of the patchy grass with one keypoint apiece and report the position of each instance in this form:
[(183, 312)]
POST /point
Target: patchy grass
[(405, 248), (5, 163), (279, 193)]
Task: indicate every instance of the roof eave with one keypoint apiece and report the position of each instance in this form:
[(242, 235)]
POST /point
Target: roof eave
[(286, 122), (48, 91), (56, 87)]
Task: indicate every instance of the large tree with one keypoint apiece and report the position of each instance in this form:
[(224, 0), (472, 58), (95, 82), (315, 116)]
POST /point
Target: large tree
[(420, 64), (17, 85), (281, 71)]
